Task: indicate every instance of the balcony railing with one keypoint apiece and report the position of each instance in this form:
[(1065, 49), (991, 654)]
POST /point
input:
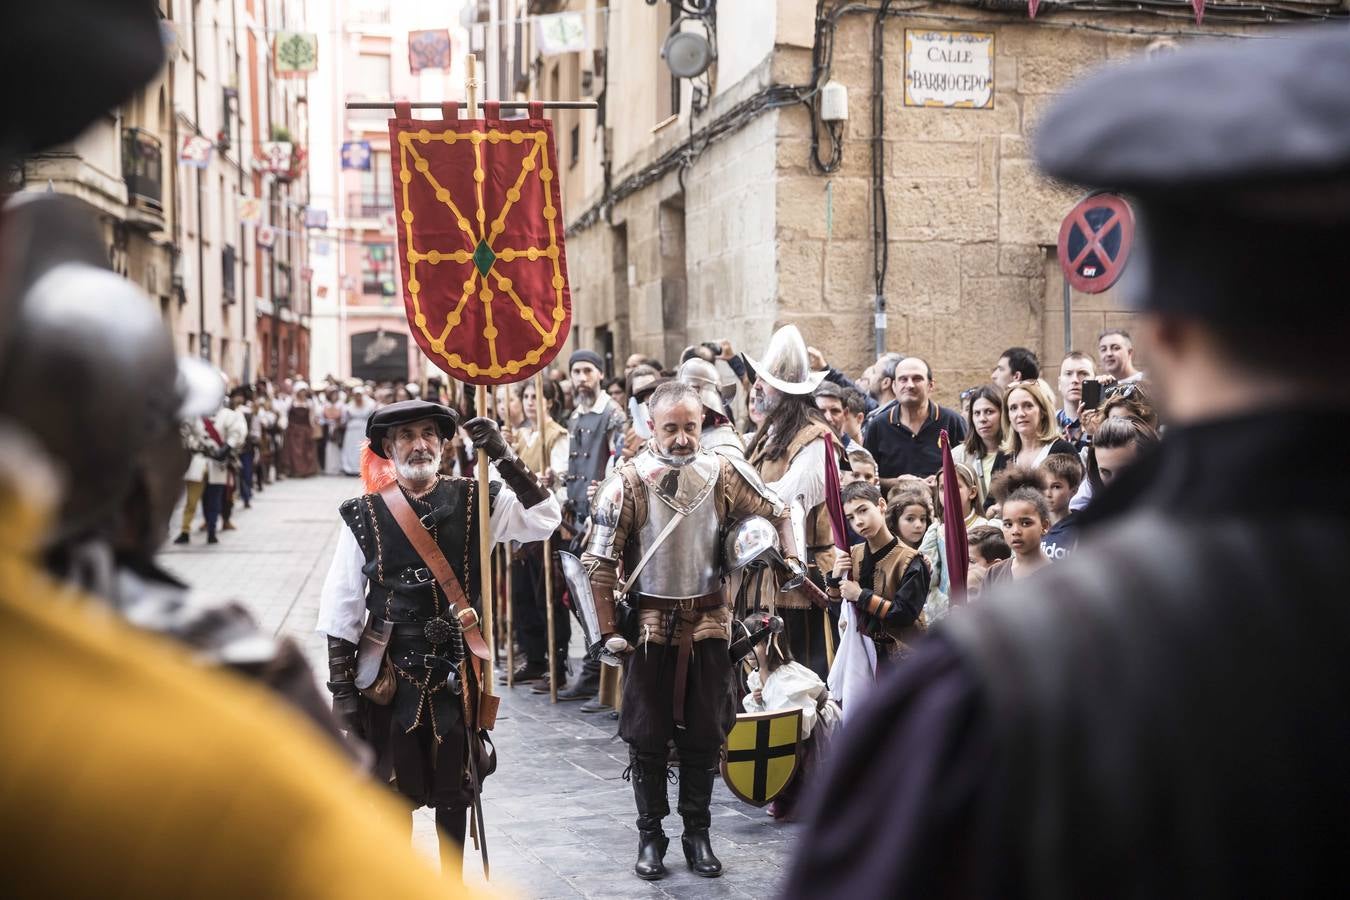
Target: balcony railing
[(142, 168), (368, 206), (371, 12)]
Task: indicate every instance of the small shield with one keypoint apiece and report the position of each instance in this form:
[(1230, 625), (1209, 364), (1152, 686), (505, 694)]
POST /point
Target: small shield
[(761, 754)]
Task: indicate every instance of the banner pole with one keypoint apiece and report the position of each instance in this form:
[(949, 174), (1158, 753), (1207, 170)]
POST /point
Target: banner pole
[(509, 637), (540, 411), (485, 554)]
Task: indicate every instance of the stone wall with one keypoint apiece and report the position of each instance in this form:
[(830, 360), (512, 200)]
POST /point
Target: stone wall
[(971, 224)]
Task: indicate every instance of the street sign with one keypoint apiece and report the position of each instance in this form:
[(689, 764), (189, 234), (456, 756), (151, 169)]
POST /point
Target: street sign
[(1094, 242)]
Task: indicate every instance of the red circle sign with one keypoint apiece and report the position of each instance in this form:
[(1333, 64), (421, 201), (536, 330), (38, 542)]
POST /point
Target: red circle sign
[(1095, 241)]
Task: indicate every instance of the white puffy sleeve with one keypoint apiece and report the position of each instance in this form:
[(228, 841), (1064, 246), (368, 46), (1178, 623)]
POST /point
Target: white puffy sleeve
[(342, 602), (805, 477), (512, 521)]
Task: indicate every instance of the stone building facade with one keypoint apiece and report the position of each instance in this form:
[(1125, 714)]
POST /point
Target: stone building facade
[(690, 225), (173, 228)]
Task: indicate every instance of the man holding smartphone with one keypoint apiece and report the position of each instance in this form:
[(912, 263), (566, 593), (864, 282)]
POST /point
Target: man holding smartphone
[(1080, 391)]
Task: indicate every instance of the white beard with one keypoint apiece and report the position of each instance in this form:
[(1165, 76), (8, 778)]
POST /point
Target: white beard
[(584, 399), (417, 471)]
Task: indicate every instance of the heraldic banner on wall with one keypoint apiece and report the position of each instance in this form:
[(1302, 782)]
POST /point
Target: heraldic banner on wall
[(480, 240)]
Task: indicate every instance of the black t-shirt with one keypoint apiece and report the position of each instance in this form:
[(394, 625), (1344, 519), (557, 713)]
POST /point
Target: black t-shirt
[(1061, 539), (899, 451)]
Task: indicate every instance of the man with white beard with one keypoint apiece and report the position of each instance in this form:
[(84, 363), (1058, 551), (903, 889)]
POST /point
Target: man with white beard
[(413, 683), (595, 431)]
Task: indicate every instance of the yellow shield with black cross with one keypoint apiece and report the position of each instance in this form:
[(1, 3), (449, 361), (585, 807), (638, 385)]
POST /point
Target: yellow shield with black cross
[(760, 756)]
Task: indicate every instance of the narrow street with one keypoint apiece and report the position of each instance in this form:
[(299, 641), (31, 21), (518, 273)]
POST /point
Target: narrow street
[(560, 816)]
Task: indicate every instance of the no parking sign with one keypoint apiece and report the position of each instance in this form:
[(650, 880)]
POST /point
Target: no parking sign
[(1094, 242)]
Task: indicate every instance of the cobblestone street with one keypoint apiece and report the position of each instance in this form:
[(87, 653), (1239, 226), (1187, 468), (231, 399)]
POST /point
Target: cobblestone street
[(560, 817)]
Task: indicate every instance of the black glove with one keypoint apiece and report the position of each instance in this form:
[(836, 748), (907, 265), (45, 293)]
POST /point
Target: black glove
[(486, 436), (342, 683)]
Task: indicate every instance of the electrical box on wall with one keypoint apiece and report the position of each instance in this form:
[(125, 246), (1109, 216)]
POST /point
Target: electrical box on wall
[(833, 102)]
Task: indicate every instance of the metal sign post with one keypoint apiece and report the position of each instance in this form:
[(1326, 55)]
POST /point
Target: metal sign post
[(1094, 246)]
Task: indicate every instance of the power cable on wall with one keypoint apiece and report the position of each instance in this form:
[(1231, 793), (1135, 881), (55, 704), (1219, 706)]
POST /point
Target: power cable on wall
[(776, 96)]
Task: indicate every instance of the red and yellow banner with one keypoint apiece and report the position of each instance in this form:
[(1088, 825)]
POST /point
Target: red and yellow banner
[(480, 240)]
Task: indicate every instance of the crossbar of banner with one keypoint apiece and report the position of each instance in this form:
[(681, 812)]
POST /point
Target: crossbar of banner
[(505, 104)]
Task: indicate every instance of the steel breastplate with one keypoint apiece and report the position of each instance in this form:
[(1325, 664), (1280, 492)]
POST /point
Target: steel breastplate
[(685, 564)]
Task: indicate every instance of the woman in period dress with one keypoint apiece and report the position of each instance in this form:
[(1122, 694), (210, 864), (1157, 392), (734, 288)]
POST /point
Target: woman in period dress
[(299, 451), (358, 411), (334, 413)]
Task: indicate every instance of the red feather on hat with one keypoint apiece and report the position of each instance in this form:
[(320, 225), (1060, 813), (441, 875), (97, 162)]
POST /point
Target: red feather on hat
[(376, 471)]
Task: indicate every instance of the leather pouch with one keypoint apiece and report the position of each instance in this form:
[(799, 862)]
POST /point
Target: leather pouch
[(375, 677), (381, 691), (487, 710)]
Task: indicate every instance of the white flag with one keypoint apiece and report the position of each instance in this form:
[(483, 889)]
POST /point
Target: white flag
[(560, 33)]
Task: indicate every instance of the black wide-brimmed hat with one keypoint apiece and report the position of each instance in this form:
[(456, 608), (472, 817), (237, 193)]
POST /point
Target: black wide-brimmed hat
[(402, 413)]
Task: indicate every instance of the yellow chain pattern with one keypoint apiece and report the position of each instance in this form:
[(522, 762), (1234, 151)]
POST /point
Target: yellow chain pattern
[(535, 159)]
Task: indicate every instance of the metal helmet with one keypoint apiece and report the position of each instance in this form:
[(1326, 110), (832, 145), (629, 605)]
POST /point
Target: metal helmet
[(785, 364), (90, 372), (702, 375), (753, 539)]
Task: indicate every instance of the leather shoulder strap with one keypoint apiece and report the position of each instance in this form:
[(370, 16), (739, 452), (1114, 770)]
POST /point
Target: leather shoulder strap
[(435, 560)]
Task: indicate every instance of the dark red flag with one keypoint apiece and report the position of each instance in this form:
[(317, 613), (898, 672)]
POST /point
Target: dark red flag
[(953, 523), (480, 241), (834, 504)]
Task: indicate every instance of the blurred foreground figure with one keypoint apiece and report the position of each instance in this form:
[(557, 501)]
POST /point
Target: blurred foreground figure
[(1162, 715), (127, 768)]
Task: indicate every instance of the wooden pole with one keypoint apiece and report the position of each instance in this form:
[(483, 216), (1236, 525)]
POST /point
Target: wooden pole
[(484, 504), (509, 621), (540, 411), (485, 555)]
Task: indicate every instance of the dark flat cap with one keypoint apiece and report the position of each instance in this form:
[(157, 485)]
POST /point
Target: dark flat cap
[(1238, 112), (406, 411), (1236, 158)]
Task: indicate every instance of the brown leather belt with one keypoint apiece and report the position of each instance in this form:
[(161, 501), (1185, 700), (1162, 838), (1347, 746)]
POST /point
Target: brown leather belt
[(686, 647), (688, 604)]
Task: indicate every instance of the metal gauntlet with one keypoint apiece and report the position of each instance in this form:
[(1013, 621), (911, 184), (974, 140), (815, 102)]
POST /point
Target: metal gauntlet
[(521, 481)]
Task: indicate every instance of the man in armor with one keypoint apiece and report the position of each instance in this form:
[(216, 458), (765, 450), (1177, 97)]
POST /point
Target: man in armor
[(595, 435), (131, 766), (410, 688), (719, 434), (791, 451), (658, 517), (1162, 714), (117, 445)]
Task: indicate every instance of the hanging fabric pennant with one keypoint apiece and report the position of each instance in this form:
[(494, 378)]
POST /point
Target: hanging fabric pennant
[(356, 155), (295, 54), (428, 50), (249, 209), (480, 241), (1199, 7), (1034, 5), (196, 151)]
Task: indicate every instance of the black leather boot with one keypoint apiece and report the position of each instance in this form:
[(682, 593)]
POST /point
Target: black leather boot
[(450, 826), (648, 773), (696, 784)]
